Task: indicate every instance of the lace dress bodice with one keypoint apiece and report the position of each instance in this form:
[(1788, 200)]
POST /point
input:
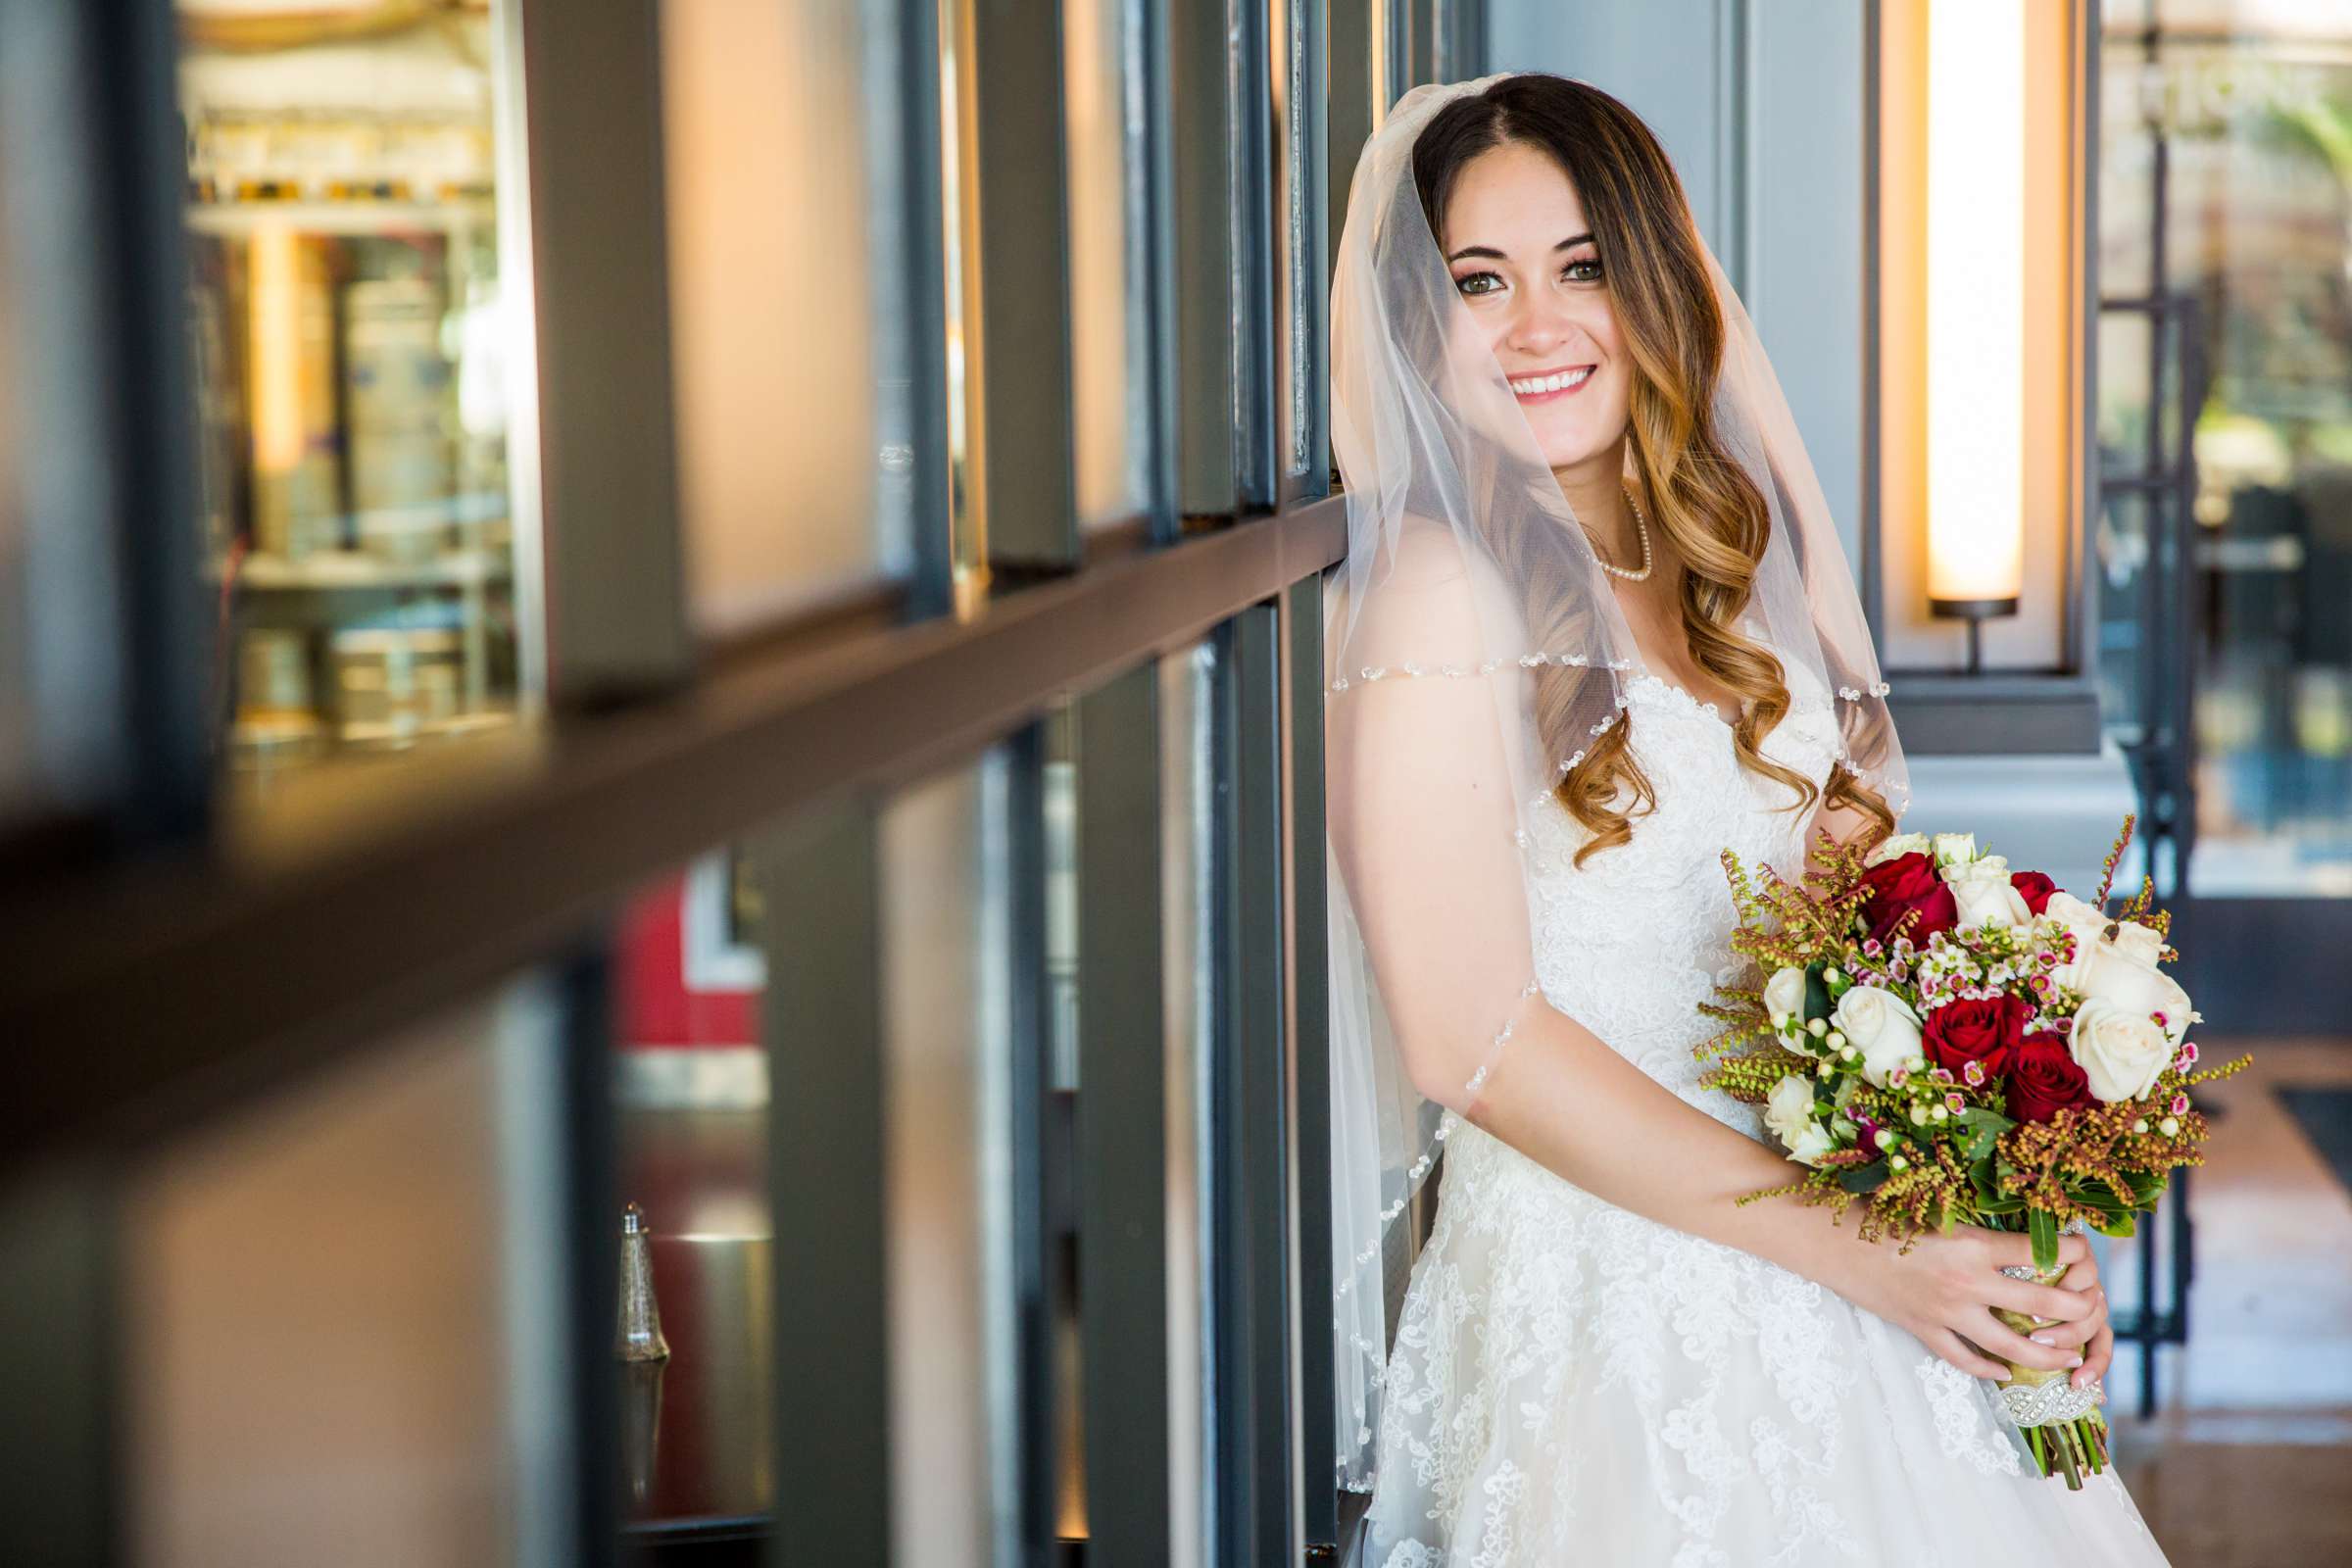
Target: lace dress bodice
[(1655, 915)]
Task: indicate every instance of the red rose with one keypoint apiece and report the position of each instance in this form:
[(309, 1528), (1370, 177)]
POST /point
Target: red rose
[(1905, 883), (1981, 1029), (2034, 887), (2044, 1080)]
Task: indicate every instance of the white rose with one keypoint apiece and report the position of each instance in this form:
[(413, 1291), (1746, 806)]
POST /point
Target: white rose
[(1895, 848), (2121, 969), (1788, 1109), (2120, 1051), (1983, 892), (2140, 992), (1881, 1026), (1955, 849), (2142, 944), (1810, 1144), (1784, 994)]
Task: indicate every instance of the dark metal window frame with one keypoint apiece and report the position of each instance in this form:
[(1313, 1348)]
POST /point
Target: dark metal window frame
[(155, 995)]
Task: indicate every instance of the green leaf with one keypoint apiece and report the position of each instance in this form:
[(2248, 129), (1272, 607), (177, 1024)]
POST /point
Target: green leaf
[(1863, 1178), (2096, 1194), (1979, 1118), (2122, 1227), (1817, 992), (2042, 1226)]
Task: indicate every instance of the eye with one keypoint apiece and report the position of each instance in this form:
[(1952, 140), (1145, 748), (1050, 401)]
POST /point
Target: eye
[(1465, 282), (1594, 261)]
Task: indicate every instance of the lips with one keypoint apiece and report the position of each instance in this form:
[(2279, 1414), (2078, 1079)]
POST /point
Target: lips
[(1547, 385)]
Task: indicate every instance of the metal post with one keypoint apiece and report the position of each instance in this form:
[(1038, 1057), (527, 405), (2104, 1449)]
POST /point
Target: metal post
[(1257, 1416), (822, 1028), (1121, 1146)]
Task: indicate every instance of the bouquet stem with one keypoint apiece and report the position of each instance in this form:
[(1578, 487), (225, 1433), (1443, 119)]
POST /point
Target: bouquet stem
[(2067, 1436)]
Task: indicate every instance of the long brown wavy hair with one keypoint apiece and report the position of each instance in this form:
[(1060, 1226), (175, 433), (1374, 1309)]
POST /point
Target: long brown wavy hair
[(1701, 498)]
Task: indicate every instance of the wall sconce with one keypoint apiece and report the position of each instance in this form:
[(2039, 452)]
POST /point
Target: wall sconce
[(1975, 312)]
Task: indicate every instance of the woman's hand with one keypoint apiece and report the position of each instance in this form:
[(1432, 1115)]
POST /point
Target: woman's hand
[(1944, 1291), (2092, 1335)]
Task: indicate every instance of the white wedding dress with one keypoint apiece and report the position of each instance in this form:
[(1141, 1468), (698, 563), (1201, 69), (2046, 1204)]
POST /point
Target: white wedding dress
[(1574, 1384)]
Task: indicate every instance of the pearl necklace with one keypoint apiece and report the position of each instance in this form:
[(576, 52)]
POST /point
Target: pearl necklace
[(1642, 527)]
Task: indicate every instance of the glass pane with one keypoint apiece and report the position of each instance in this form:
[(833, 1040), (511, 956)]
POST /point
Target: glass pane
[(791, 390), (695, 953), (1188, 945), (18, 760), (960, 235), (356, 344), (1062, 916), (1109, 373), (947, 935), (336, 1331), (2233, 144), (1166, 1053), (1305, 282), (2126, 349), (2119, 547), (691, 1080), (2125, 155)]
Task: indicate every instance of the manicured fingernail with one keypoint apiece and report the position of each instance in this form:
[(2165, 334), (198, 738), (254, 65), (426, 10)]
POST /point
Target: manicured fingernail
[(2077, 1361), (2045, 1338)]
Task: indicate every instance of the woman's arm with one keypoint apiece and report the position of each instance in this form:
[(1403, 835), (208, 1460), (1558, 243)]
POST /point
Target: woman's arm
[(1560, 1096)]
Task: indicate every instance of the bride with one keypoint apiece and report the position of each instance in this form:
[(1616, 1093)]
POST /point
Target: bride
[(1594, 627)]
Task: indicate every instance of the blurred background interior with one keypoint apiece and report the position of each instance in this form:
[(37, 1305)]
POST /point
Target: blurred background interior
[(715, 604)]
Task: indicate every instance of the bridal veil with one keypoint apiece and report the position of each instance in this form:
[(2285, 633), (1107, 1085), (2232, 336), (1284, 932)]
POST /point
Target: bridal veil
[(1475, 654)]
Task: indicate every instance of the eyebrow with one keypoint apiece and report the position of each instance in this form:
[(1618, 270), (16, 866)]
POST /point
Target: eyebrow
[(1490, 251)]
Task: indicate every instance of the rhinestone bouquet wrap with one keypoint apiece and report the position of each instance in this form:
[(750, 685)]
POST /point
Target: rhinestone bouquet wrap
[(1949, 1042)]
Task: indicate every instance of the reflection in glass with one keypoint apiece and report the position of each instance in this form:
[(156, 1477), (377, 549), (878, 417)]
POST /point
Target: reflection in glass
[(18, 760), (1061, 786), (1107, 322), (353, 356), (947, 869), (1304, 278), (1187, 941), (2225, 183), (690, 1079), (2120, 555), (960, 235)]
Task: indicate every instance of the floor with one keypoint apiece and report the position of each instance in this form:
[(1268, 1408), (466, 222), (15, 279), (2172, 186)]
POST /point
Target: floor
[(2248, 1460)]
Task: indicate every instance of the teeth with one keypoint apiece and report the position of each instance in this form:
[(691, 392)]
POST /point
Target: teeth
[(1551, 383)]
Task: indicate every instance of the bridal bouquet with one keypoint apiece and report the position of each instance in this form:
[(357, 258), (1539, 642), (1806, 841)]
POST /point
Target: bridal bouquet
[(1953, 1042)]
